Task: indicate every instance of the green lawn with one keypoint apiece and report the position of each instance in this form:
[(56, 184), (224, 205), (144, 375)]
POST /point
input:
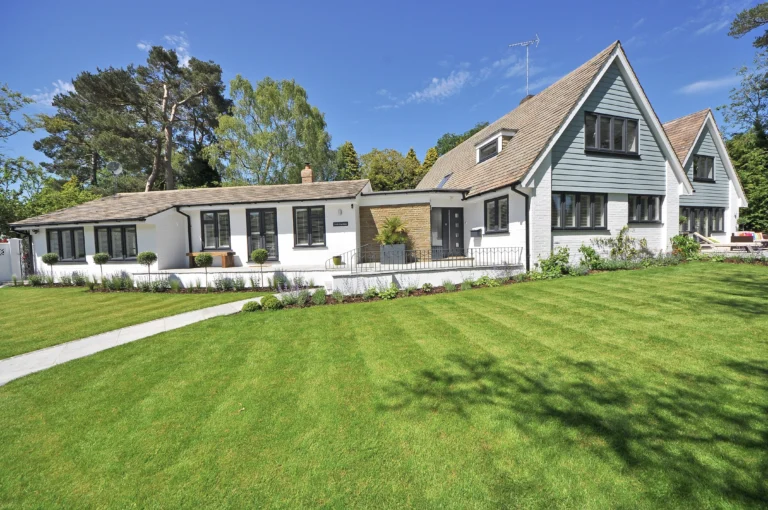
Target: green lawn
[(33, 318), (640, 389)]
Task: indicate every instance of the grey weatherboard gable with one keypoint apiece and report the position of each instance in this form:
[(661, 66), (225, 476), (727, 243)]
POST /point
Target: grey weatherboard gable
[(575, 170), (708, 194)]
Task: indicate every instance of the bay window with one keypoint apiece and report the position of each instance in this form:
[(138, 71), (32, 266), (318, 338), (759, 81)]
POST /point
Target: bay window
[(582, 211), (645, 208), (497, 215), (309, 226), (119, 242), (215, 229), (607, 133), (262, 231), (68, 243)]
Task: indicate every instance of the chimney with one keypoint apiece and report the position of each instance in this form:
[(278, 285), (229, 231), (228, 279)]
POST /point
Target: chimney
[(526, 98), (306, 174)]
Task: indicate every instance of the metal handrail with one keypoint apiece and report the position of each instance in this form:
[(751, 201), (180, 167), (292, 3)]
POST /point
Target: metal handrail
[(369, 259)]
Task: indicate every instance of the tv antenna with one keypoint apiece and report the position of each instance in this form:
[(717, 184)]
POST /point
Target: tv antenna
[(527, 44)]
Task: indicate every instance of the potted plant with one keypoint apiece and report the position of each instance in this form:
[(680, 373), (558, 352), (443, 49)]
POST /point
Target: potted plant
[(260, 256), (337, 260), (392, 237)]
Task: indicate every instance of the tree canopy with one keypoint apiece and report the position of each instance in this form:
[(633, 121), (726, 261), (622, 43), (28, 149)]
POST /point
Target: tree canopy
[(270, 133), (450, 140), (750, 19), (347, 162)]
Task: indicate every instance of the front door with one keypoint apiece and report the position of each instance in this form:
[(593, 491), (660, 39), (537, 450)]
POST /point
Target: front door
[(453, 231)]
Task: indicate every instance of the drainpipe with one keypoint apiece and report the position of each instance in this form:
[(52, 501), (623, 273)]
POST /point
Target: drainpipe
[(189, 229), (527, 227)]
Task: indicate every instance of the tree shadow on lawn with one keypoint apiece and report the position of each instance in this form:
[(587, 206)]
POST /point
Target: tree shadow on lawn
[(742, 296), (691, 436)]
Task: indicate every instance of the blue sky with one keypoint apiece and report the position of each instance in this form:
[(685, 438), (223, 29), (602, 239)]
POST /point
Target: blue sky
[(386, 74)]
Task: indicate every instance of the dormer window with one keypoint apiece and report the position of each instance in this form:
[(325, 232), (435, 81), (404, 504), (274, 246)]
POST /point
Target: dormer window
[(606, 133), (491, 147), (443, 181), (488, 151)]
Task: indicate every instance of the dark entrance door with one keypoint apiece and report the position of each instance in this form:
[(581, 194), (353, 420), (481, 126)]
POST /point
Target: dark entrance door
[(453, 232)]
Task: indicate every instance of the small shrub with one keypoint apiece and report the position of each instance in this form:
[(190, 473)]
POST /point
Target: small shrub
[(303, 298), (449, 286), (147, 258), (589, 256), (90, 284), (623, 246), (175, 285), (198, 284), (160, 285), (35, 280), (556, 264), (101, 259), (410, 289), (426, 288), (338, 296), (144, 286), (223, 283), (311, 282), (370, 293), (252, 279), (239, 282), (49, 281), (251, 306), (79, 279), (66, 280), (389, 292), (290, 298), (271, 303), (580, 270), (15, 280), (298, 281), (487, 281), (685, 246), (466, 285), (51, 259), (204, 260), (319, 296), (279, 282)]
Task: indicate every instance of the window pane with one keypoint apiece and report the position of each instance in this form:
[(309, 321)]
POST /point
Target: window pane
[(556, 209), (656, 209), (490, 216), (53, 241), (102, 240), (632, 136), (504, 213), (66, 245), (632, 204), (318, 225), (590, 131), (302, 226), (270, 233), (599, 207), (489, 150), (117, 243), (79, 244), (644, 208), (584, 211), (131, 247), (209, 235), (710, 168), (605, 132), (618, 134), (570, 210), (223, 219), (436, 221)]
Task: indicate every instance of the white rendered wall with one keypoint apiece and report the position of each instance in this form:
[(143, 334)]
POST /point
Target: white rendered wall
[(10, 260), (474, 217)]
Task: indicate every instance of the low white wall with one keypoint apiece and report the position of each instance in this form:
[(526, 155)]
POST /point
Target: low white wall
[(10, 260)]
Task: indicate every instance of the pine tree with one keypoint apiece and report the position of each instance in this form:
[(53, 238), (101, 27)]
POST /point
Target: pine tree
[(347, 162), (411, 170), (430, 159)]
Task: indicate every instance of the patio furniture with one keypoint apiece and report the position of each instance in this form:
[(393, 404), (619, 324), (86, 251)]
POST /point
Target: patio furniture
[(713, 244), (227, 257)]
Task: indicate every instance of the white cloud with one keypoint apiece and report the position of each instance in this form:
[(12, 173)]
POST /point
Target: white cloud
[(441, 88), (540, 84), (638, 23), (713, 27), (704, 86), (180, 43), (144, 45), (45, 96)]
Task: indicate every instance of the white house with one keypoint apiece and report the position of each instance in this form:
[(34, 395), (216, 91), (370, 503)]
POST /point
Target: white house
[(580, 160)]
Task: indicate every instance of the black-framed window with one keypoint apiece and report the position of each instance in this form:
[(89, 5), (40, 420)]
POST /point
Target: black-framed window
[(608, 133), (703, 168), (309, 226), (262, 231), (488, 151), (497, 215), (645, 208), (68, 243), (704, 220), (579, 211), (215, 229), (119, 242)]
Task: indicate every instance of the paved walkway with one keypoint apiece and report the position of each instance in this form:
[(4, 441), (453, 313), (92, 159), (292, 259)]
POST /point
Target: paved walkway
[(35, 361)]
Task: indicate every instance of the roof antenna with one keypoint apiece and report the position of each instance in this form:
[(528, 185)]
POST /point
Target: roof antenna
[(526, 44)]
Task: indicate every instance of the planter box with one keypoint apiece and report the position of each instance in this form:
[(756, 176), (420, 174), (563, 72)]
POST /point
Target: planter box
[(392, 254)]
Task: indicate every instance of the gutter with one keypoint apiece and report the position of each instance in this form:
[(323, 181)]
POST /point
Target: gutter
[(527, 226), (189, 228)]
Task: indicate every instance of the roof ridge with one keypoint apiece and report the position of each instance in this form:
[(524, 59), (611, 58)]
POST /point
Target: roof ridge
[(705, 110), (163, 191)]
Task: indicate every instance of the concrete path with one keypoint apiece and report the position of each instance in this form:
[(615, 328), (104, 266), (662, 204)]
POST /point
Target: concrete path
[(35, 361)]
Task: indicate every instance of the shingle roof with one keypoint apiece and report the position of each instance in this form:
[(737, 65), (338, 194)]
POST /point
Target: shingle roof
[(682, 132), (135, 206), (536, 122)]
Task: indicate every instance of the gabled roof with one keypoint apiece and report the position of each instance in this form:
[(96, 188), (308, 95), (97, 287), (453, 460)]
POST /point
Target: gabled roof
[(683, 132), (536, 122), (139, 206)]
